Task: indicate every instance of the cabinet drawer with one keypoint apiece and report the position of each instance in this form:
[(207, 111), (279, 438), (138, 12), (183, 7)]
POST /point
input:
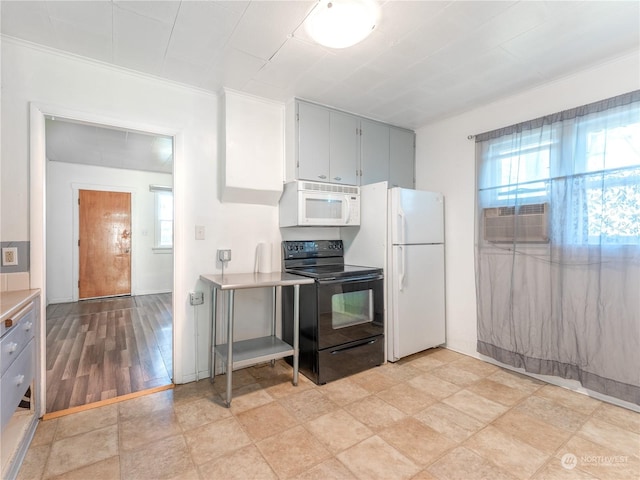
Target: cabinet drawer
[(17, 338), (15, 381)]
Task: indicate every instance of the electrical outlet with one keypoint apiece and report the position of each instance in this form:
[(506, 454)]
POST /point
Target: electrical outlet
[(224, 255), (9, 256), (196, 298)]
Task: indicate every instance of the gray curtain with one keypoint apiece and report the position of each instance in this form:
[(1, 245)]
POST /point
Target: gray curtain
[(558, 245)]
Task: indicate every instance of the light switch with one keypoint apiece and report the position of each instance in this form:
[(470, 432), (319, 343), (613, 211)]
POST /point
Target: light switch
[(199, 232)]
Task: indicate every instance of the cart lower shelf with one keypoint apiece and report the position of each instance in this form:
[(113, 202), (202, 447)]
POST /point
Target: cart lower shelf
[(255, 350)]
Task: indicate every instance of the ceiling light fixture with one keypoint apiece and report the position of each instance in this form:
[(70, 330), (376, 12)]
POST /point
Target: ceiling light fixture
[(342, 23)]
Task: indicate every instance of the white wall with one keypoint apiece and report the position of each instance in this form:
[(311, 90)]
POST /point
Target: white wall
[(34, 74), (445, 162), (151, 272)]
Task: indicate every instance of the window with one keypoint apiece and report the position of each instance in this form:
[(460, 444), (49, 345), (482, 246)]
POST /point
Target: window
[(519, 168), (163, 217), (557, 287), (612, 183), (586, 167)]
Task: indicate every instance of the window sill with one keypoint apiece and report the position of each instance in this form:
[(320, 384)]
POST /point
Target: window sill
[(162, 249)]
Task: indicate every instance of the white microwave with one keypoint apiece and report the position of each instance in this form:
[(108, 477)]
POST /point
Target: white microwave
[(314, 204)]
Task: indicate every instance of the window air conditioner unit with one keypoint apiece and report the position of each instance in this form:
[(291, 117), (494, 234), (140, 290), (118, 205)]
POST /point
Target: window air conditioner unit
[(524, 224)]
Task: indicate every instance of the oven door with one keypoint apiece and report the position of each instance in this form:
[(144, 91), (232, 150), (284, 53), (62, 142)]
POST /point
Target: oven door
[(349, 310)]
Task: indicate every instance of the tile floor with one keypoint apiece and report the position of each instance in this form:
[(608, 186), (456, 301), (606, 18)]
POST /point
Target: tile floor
[(436, 415)]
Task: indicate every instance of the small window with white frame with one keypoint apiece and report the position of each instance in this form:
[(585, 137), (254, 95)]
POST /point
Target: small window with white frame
[(163, 217)]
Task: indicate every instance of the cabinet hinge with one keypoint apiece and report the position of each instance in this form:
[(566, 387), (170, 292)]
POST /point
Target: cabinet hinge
[(297, 117), (78, 201), (78, 242)]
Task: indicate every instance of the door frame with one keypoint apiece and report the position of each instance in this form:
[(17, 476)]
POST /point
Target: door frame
[(38, 222), (75, 273)]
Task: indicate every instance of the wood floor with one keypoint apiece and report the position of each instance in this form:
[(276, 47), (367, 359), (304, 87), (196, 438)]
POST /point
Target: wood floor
[(101, 349)]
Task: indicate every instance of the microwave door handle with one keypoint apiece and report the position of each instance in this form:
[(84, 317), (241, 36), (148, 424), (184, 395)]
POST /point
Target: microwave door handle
[(347, 205)]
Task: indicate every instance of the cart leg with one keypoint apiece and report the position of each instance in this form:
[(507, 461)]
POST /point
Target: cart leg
[(229, 347), (212, 358), (273, 318), (296, 332)]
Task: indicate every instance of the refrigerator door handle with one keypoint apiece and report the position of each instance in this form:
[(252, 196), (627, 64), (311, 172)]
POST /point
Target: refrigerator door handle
[(402, 269), (402, 226)]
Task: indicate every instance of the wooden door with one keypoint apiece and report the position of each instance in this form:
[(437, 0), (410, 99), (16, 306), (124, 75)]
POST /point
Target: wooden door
[(104, 244)]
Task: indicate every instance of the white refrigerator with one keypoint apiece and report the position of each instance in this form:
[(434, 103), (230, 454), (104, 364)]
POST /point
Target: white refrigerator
[(402, 231)]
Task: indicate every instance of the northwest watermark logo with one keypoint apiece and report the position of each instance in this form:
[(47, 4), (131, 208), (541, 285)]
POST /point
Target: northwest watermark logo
[(570, 461)]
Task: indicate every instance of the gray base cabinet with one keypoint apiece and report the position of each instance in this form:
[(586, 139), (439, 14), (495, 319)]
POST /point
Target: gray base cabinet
[(18, 389)]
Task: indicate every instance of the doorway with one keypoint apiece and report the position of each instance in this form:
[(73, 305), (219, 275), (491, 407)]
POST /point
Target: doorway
[(109, 313)]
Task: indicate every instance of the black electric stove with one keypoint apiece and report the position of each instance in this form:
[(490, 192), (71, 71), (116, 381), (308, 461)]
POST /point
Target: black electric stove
[(341, 313)]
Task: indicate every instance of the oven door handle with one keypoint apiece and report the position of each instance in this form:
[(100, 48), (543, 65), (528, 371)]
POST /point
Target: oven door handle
[(363, 278), (351, 347)]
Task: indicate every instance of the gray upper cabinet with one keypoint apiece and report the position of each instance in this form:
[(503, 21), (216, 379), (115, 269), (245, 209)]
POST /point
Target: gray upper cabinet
[(343, 146), (402, 148), (338, 147), (313, 142), (375, 152), (327, 145)]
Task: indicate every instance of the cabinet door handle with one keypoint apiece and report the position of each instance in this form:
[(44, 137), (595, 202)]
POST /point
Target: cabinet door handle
[(337, 178), (19, 380), (322, 176), (27, 326), (12, 347)]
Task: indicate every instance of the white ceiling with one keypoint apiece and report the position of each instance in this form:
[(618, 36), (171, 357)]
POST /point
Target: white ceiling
[(74, 142), (425, 60)]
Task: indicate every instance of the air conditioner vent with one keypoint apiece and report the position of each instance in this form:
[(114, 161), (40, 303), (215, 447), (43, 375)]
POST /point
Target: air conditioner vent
[(506, 211), (532, 209), (529, 225)]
